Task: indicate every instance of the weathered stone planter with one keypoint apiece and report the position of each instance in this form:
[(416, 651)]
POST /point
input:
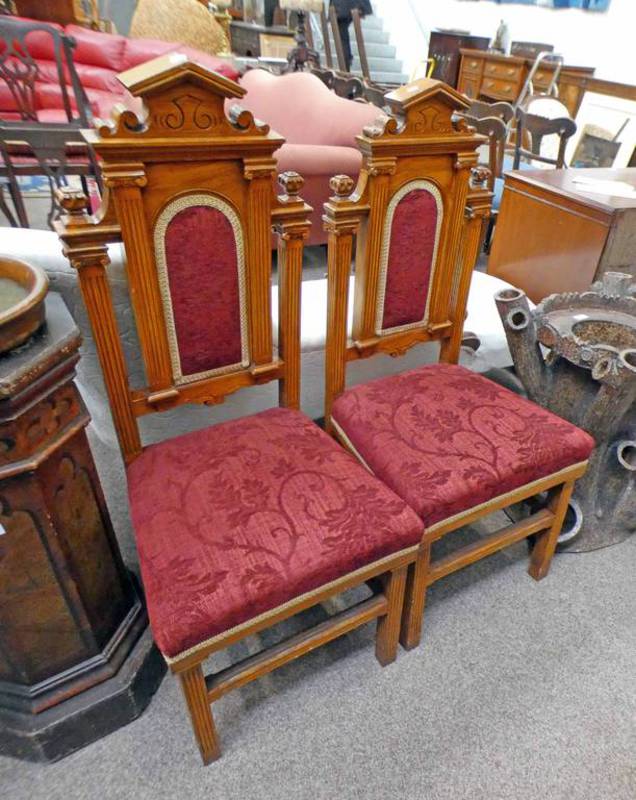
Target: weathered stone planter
[(576, 355)]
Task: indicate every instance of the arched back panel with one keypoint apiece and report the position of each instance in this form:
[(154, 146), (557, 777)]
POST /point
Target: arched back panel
[(201, 265), (409, 255)]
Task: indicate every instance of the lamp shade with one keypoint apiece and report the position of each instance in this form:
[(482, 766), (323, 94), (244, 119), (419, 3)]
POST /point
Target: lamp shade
[(302, 5)]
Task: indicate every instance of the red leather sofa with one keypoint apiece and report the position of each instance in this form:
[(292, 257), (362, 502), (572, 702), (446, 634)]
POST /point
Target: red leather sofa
[(98, 58)]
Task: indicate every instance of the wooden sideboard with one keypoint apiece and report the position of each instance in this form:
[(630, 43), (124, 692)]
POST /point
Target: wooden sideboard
[(552, 236), (494, 76), (249, 40)]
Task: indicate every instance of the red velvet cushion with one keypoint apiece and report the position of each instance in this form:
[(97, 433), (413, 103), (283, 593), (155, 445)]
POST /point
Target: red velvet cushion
[(201, 259), (410, 259), (446, 439), (240, 518), (97, 48)]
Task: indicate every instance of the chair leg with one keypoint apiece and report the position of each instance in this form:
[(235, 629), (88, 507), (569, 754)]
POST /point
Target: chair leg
[(388, 633), (415, 599), (546, 543), (196, 696)]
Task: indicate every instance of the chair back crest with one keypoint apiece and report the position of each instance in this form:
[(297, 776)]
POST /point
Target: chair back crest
[(409, 212), (192, 192)]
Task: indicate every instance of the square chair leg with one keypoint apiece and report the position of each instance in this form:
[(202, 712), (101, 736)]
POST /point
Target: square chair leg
[(388, 633), (415, 599), (196, 696), (546, 543)]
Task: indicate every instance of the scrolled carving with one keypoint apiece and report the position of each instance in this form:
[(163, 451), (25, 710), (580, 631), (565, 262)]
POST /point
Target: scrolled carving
[(188, 110), (243, 120), (382, 126), (122, 120)]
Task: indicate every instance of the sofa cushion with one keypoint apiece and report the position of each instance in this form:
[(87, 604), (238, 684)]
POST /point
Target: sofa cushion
[(40, 43), (138, 51), (238, 519), (97, 48), (447, 440)]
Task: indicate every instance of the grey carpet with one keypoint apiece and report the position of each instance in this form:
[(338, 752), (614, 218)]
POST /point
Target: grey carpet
[(520, 690)]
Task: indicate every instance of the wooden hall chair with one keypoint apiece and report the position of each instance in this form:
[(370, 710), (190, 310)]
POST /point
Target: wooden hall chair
[(454, 445), (245, 523)]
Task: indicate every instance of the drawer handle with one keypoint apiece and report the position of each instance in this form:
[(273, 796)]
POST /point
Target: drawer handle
[(511, 72), (473, 63)]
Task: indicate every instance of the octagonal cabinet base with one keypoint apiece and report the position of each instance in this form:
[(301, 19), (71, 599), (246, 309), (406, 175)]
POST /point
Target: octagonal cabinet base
[(86, 717)]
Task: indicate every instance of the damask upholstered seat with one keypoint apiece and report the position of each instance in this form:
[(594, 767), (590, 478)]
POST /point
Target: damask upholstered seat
[(447, 440), (238, 519)]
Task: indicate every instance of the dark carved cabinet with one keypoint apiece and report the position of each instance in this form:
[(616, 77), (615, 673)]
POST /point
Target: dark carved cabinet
[(70, 616), (444, 47)]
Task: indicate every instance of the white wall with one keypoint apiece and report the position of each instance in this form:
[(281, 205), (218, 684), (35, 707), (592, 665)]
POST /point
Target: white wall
[(604, 40)]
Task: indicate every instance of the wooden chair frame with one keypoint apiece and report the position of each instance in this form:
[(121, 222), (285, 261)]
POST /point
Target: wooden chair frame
[(534, 128), (423, 140), (186, 144)]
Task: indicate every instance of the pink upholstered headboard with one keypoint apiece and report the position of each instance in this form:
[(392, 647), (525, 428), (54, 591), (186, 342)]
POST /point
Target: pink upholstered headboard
[(302, 109)]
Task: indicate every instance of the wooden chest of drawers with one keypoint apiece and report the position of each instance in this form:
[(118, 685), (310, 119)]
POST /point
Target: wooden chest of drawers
[(444, 48), (493, 76)]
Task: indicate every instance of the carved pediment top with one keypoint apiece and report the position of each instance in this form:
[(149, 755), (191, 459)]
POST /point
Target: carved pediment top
[(420, 108), (180, 97)]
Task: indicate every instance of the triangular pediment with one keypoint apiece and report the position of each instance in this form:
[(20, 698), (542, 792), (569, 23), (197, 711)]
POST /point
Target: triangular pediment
[(425, 91), (176, 69)]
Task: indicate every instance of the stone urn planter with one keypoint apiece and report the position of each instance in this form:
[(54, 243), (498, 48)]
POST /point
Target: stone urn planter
[(576, 355)]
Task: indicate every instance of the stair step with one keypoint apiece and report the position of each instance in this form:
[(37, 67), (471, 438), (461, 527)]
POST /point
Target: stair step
[(380, 64), (383, 51), (398, 78)]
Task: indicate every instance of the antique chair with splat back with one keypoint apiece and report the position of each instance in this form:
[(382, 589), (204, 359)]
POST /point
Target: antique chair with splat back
[(454, 445), (245, 523)]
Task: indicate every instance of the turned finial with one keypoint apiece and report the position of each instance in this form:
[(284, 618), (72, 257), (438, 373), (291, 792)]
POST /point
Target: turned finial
[(73, 201), (292, 183), (342, 185), (479, 177)]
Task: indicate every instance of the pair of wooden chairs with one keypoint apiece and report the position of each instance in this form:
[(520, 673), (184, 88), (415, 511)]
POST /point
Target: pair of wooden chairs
[(249, 522)]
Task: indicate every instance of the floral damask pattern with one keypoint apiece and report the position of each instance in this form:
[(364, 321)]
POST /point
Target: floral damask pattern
[(244, 516), (446, 439)]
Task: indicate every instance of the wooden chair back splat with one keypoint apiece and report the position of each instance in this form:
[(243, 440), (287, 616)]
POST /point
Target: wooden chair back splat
[(418, 212), (225, 177), (251, 508)]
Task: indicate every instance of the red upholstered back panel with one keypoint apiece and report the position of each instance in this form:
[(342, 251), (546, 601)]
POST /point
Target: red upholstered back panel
[(412, 249), (201, 264)]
